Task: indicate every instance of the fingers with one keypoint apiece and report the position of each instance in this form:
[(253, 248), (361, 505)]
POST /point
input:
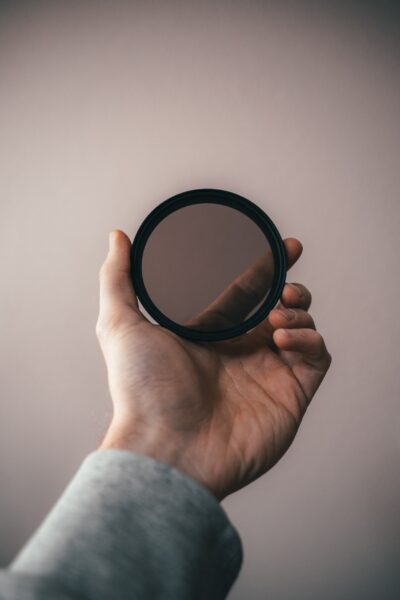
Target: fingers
[(296, 295), (117, 296), (308, 342), (290, 318), (294, 334), (295, 331), (294, 249)]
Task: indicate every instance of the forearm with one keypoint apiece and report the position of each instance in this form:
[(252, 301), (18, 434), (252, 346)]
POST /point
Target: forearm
[(133, 527)]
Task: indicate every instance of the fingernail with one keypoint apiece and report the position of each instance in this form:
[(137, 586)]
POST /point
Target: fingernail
[(286, 332), (296, 289), (288, 313)]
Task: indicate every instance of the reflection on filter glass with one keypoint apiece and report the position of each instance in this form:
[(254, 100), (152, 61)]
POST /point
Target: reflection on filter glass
[(207, 266), (240, 300)]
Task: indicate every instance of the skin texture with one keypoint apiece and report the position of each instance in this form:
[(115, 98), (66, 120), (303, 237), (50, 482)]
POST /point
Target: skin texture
[(222, 412)]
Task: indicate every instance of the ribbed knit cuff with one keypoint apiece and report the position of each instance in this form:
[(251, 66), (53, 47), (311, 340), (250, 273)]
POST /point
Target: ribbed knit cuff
[(129, 526)]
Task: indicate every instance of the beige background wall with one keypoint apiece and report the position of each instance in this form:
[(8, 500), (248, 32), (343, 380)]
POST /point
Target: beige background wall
[(108, 108)]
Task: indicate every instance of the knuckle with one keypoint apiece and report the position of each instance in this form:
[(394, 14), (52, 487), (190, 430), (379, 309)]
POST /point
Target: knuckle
[(99, 329), (309, 320), (107, 324), (314, 341), (101, 326), (303, 293), (328, 358), (310, 335), (320, 348), (318, 339), (104, 269)]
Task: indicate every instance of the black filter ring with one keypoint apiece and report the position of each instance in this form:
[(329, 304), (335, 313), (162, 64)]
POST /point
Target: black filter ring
[(214, 196)]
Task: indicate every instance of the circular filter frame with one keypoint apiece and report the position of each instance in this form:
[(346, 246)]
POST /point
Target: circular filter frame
[(215, 196)]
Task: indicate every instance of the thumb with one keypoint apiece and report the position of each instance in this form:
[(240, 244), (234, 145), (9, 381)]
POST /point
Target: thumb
[(117, 296)]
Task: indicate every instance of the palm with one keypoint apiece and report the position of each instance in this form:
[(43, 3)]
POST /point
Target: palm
[(264, 403), (242, 390)]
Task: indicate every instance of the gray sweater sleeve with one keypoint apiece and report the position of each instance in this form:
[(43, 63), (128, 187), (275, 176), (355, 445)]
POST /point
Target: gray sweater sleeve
[(128, 527)]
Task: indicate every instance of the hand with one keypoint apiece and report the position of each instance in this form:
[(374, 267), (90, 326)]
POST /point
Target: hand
[(222, 412)]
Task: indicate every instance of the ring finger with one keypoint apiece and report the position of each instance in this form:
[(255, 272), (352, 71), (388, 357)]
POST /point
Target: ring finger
[(290, 318)]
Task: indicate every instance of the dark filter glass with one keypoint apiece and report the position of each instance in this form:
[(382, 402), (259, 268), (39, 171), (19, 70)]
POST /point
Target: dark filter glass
[(207, 266)]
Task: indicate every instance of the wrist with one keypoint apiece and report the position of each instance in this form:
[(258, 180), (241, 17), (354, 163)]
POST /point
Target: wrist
[(158, 443), (151, 441)]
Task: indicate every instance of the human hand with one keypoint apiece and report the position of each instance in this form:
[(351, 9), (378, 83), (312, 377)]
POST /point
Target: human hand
[(222, 412)]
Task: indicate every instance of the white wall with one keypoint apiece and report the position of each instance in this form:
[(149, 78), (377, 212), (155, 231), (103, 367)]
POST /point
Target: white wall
[(107, 109)]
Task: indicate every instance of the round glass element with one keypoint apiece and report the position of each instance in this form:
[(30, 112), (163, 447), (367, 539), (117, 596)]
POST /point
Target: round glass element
[(208, 264)]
